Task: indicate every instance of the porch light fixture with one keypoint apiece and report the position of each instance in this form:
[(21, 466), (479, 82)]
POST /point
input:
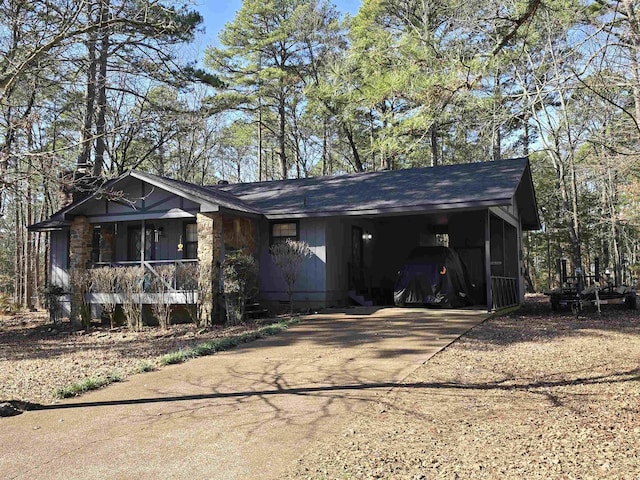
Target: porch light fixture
[(367, 236), (158, 232), (180, 244)]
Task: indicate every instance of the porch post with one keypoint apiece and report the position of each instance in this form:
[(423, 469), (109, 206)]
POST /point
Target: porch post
[(143, 246), (487, 258), (143, 242), (209, 252), (81, 237)]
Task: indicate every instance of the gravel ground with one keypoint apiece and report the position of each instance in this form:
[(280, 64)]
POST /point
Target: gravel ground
[(37, 358), (534, 394)]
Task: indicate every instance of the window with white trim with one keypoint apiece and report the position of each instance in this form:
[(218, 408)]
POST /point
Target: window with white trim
[(283, 231)]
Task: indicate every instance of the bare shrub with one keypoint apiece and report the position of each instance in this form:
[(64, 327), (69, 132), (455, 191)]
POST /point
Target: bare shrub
[(52, 297), (288, 257), (129, 281), (187, 281), (161, 284), (103, 281), (207, 276), (240, 282)]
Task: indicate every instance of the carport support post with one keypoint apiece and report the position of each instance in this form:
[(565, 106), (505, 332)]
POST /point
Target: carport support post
[(487, 259)]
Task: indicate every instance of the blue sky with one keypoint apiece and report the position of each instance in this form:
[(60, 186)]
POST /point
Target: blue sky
[(218, 12)]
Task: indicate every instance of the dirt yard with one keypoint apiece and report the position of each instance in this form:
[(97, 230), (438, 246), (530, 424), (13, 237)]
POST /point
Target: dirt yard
[(534, 394), (37, 358)]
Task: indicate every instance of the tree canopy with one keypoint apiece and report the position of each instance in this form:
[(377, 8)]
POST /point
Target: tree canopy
[(295, 88)]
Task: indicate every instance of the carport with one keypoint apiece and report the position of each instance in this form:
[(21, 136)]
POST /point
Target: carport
[(482, 222), (361, 228)]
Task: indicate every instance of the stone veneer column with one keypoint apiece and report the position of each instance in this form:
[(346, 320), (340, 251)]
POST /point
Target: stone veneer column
[(81, 237), (209, 253)]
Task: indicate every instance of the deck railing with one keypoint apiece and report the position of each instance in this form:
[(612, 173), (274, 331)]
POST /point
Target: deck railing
[(504, 292), (180, 281), (182, 288)]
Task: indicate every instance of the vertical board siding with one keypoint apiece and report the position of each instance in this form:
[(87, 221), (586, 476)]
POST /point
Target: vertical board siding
[(311, 285), (59, 274), (337, 252)]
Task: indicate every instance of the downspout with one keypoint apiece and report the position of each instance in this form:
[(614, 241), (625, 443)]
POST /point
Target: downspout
[(487, 259), (143, 244), (222, 256)]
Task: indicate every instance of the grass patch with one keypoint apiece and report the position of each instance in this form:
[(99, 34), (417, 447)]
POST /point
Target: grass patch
[(180, 356), (146, 366), (92, 383), (226, 343)]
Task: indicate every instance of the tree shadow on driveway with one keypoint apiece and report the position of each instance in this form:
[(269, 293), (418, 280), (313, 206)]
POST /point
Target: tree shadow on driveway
[(626, 376)]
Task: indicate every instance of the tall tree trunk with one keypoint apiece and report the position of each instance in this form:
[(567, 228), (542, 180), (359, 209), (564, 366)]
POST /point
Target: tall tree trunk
[(612, 181), (86, 136), (102, 89), (30, 246), (634, 41), (496, 134), (575, 216), (19, 274), (324, 147), (260, 153), (281, 134), (433, 135), (527, 136), (357, 163)]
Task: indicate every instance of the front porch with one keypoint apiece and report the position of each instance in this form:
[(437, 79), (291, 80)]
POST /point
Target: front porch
[(176, 260)]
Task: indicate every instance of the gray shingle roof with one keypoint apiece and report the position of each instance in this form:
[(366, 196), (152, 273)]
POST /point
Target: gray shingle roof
[(409, 190), (414, 190), (200, 193)]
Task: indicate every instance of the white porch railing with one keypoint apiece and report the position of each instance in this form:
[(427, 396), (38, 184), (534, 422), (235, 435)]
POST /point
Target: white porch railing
[(182, 288)]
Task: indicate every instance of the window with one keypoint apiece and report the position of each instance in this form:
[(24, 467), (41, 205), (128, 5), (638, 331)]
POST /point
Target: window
[(95, 244), (282, 231), (135, 243), (190, 240)]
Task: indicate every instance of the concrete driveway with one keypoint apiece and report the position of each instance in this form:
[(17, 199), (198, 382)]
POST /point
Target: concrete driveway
[(245, 413)]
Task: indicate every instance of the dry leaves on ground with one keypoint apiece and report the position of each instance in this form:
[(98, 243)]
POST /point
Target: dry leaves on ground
[(37, 358), (534, 394)]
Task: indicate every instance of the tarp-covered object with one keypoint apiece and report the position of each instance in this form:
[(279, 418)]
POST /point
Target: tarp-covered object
[(433, 276)]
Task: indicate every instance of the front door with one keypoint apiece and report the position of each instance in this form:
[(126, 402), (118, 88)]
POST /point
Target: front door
[(357, 260), (135, 243)]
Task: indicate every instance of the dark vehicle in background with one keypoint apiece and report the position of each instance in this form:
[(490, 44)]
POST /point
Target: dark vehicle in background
[(435, 277)]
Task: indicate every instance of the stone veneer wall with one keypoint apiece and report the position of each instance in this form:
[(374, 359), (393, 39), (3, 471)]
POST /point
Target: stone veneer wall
[(215, 232), (81, 237), (209, 255)]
